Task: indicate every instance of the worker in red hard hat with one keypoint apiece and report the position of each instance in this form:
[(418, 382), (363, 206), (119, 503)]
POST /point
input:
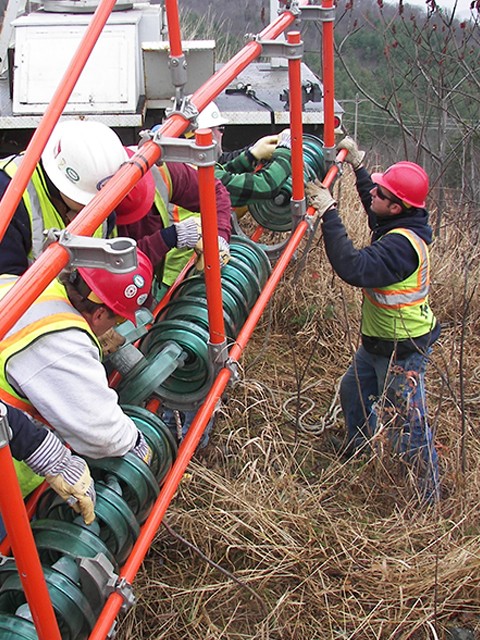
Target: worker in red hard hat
[(384, 388), (50, 360), (161, 214), (79, 158)]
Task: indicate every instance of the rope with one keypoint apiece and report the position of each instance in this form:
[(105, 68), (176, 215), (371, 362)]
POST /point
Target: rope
[(326, 422)]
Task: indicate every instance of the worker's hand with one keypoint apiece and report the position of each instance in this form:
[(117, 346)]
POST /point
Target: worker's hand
[(285, 139), (354, 156), (189, 232), (319, 197), (263, 149), (110, 342), (66, 473), (223, 254), (142, 449)]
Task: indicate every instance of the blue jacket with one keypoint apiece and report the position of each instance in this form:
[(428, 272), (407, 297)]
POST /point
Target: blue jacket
[(17, 241), (381, 263), (26, 437)]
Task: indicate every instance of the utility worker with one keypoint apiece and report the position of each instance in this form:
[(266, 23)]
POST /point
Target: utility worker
[(45, 454), (159, 214), (254, 173), (78, 159), (50, 360), (384, 386)]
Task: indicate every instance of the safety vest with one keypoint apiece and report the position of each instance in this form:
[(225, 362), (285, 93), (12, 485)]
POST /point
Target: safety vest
[(401, 310), (176, 259), (40, 209), (51, 312)]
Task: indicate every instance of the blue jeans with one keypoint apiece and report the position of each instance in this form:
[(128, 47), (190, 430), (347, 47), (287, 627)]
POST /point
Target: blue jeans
[(377, 393), (186, 418)]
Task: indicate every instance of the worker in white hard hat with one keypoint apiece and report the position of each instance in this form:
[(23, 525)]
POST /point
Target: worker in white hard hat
[(254, 173), (80, 156)]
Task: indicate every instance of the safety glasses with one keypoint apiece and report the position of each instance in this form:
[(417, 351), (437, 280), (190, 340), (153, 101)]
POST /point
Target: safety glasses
[(383, 196)]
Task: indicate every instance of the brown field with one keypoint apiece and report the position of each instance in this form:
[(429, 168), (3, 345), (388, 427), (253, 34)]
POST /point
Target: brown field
[(272, 537)]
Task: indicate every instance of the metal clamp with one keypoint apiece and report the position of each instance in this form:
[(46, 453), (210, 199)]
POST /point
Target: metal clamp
[(299, 209), (279, 49), (330, 154), (5, 429), (232, 366), (184, 107), (292, 7), (178, 70), (181, 150), (117, 255), (125, 589), (218, 355), (318, 13)]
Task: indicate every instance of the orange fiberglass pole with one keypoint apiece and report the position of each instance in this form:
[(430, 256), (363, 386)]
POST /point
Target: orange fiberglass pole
[(328, 79), (18, 184), (26, 555), (173, 25), (296, 128), (208, 210)]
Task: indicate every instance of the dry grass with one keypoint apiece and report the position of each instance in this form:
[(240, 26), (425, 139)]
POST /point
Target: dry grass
[(321, 549)]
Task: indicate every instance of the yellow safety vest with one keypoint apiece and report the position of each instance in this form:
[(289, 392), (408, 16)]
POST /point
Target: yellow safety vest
[(40, 209), (401, 310), (176, 259), (51, 312)]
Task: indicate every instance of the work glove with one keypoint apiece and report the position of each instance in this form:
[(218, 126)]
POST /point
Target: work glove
[(110, 342), (223, 253), (263, 149), (142, 449), (285, 139), (66, 473), (188, 233), (354, 156), (319, 197)]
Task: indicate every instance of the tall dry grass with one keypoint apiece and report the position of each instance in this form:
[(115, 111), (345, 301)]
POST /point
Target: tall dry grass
[(309, 547)]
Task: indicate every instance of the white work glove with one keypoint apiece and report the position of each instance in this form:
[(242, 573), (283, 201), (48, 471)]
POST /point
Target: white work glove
[(285, 139), (223, 253), (319, 197), (354, 156), (66, 473), (142, 449), (263, 149), (188, 233)]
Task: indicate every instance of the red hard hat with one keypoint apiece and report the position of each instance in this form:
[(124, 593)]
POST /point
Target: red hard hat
[(138, 202), (123, 293), (406, 180)]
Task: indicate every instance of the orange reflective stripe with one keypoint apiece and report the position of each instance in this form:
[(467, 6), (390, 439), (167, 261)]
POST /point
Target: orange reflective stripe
[(40, 324), (13, 401)]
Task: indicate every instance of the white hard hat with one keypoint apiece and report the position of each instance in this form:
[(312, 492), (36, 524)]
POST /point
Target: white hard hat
[(80, 156), (210, 117)]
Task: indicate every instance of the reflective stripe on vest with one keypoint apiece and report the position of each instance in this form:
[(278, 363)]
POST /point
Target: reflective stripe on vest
[(176, 259), (401, 310), (40, 209), (51, 312), (412, 290)]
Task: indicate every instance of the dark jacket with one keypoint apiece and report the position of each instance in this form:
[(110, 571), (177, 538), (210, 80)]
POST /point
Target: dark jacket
[(26, 436), (382, 263)]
